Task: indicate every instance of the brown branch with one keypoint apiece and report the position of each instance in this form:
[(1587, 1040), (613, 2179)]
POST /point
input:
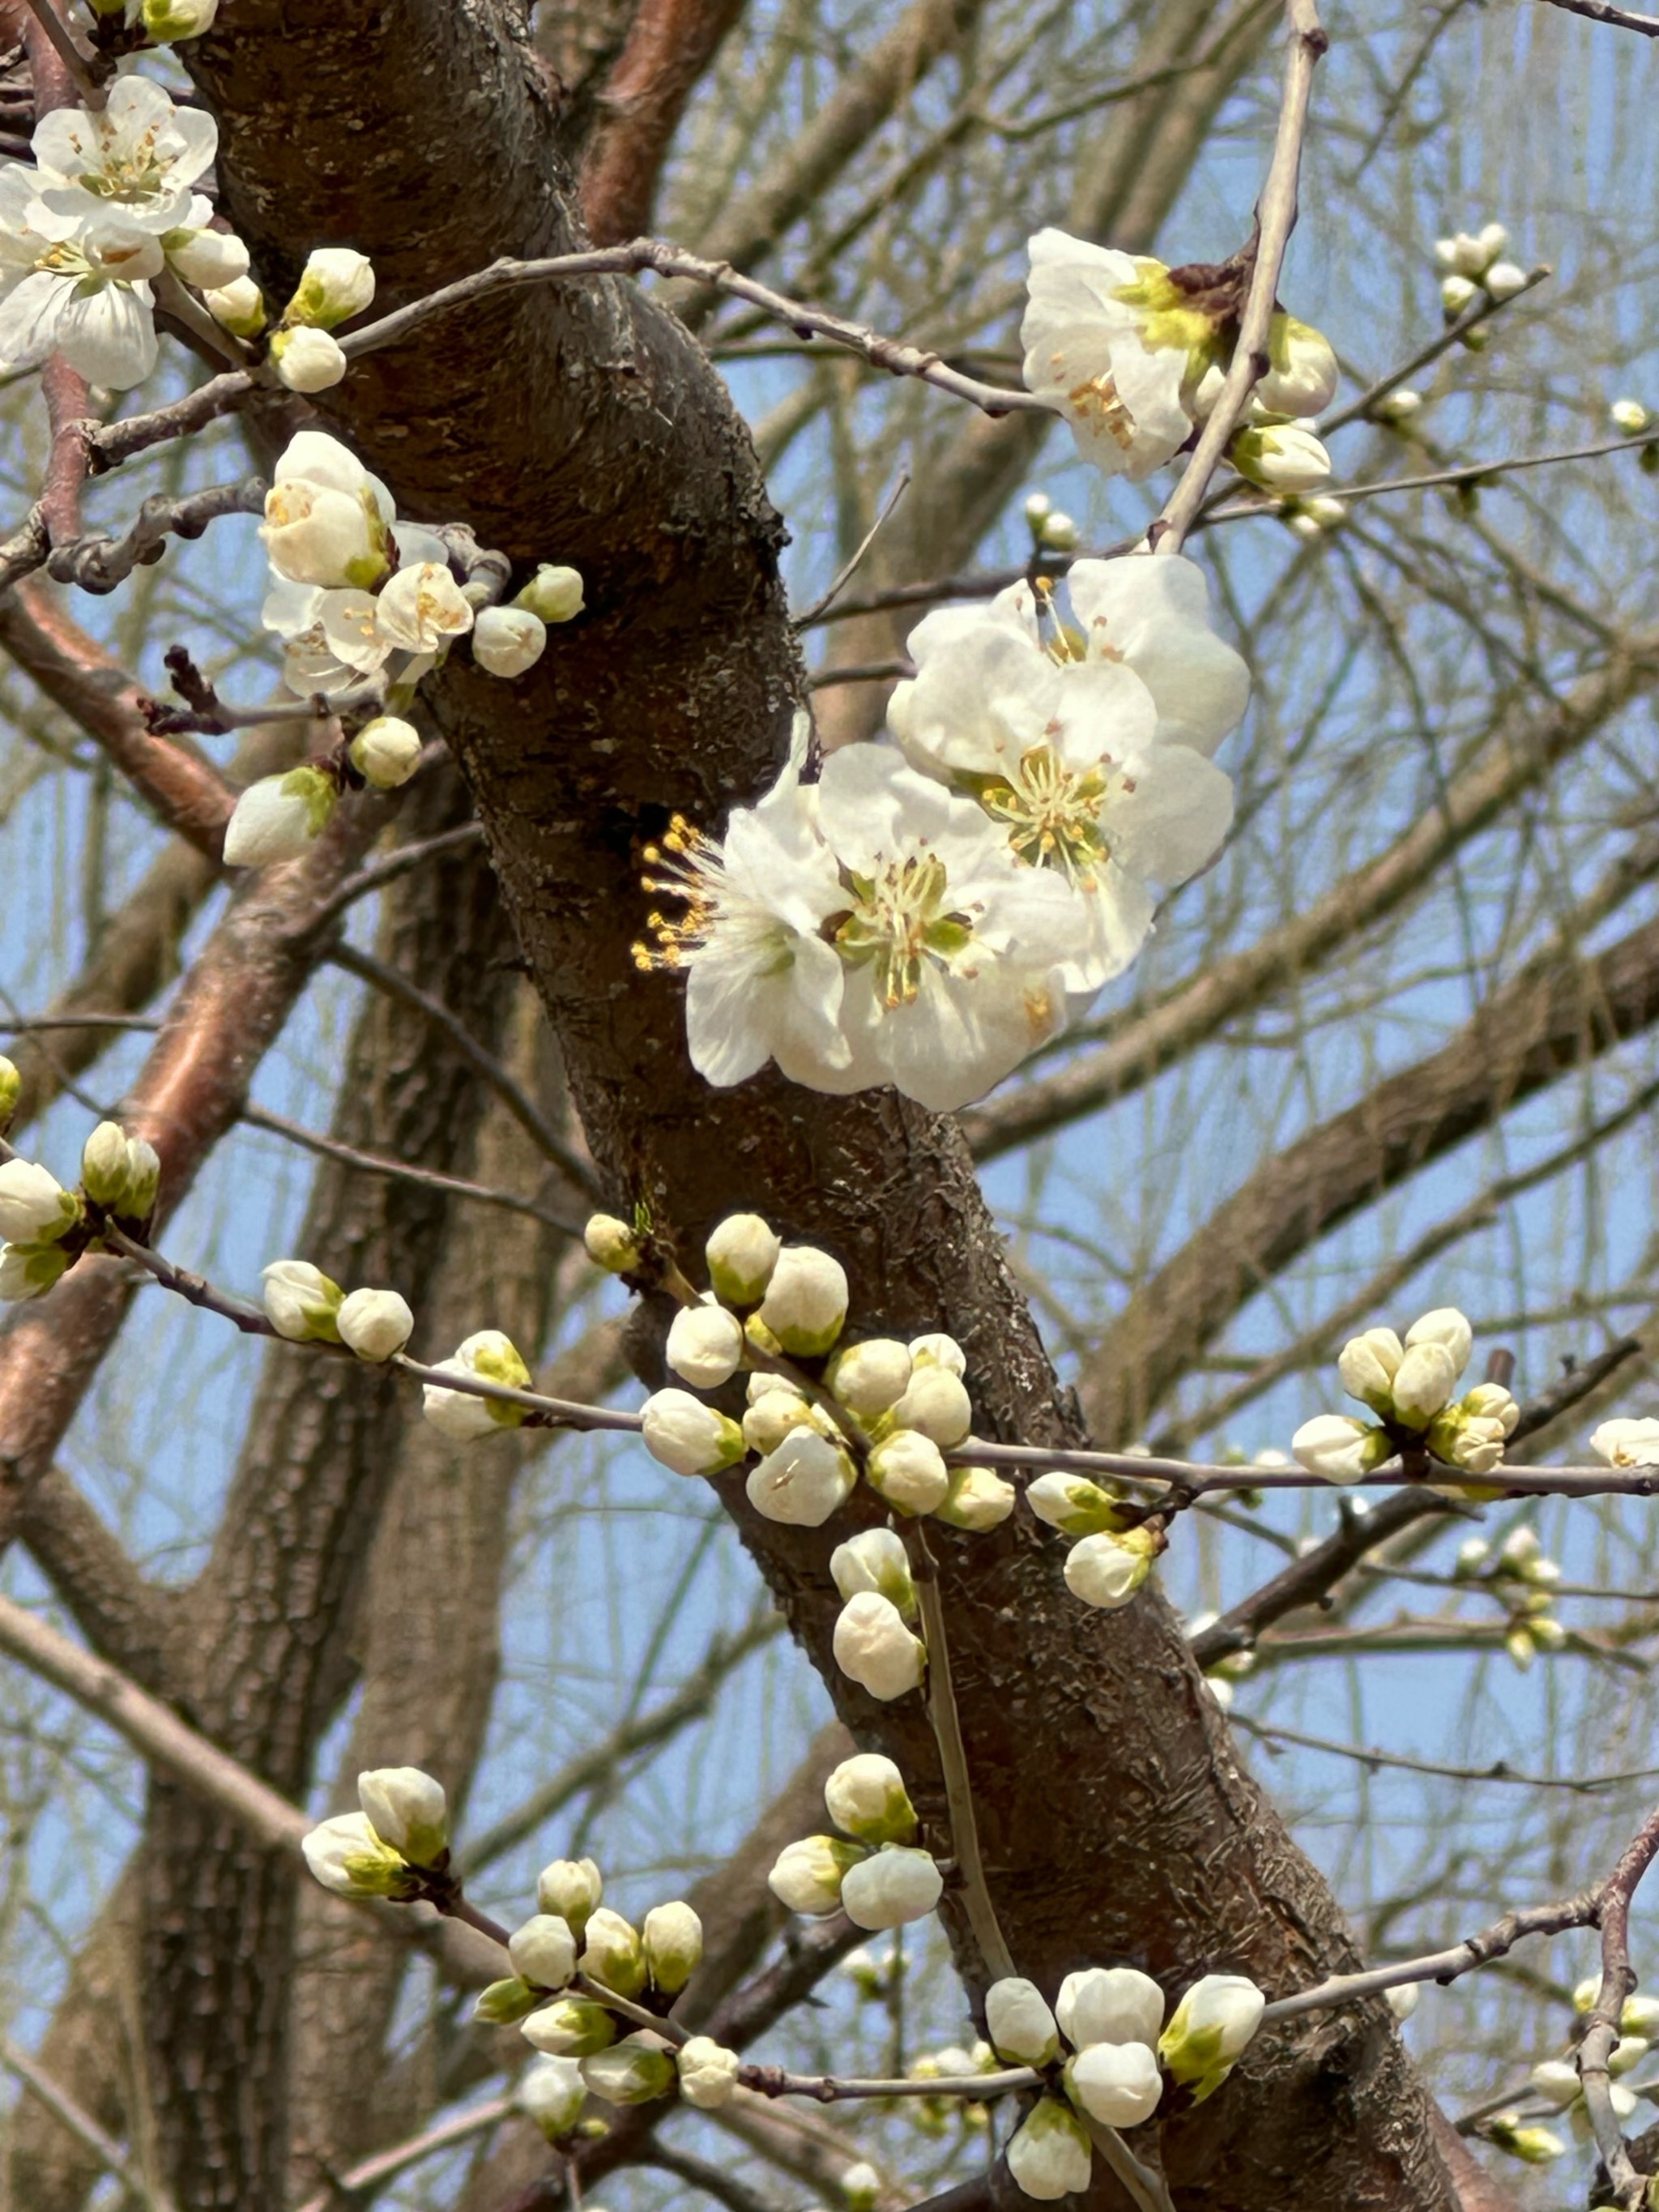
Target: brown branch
[(1602, 11), (125, 1617), (58, 2102), (1601, 2026), (98, 563), (669, 45)]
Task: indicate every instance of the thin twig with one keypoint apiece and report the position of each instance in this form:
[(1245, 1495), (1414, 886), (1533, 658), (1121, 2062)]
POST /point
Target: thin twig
[(1500, 1770), (385, 2165), (69, 53), (1479, 311), (99, 564), (1601, 11), (1602, 2027), (834, 2088), (1275, 220), (57, 2101), (849, 568)]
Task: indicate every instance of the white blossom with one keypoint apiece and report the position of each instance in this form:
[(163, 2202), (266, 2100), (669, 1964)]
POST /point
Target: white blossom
[(554, 594), (672, 1938), (741, 1252), (613, 1953), (348, 1857), (508, 641), (280, 817), (1109, 2004), (572, 1889), (543, 1951), (1106, 1570), (34, 1207), (1114, 344), (458, 1414), (631, 2072), (891, 1887), (865, 1796), (1116, 2083), (1049, 2156), (28, 1271), (875, 1559), (1621, 1442), (1340, 1447), (874, 1647), (307, 360), (868, 1377), (705, 1345), (327, 518), (979, 1498), (908, 1470), (806, 1301), (301, 1302), (552, 2093), (408, 1810), (374, 1324), (1208, 2030), (805, 1479), (387, 751), (135, 160), (78, 286), (708, 2072), (336, 283), (807, 1876), (1280, 456), (1018, 2020)]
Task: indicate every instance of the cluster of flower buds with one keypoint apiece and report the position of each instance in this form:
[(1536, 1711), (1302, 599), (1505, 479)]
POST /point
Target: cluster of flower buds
[(935, 2116), (1524, 1579), (1555, 2082), (1533, 2145), (1052, 530), (873, 1871), (1471, 264), (1408, 1387), (1625, 1442), (47, 1228), (306, 1307), (1314, 518), (772, 1305), (875, 1641), (1634, 420), (1112, 1550), (392, 1846), (336, 283), (1104, 2049)]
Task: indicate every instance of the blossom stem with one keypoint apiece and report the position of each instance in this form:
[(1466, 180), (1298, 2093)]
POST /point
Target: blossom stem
[(953, 1762), (1144, 2183)]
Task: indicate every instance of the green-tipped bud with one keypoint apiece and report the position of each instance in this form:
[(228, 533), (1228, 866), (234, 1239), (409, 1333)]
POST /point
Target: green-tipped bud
[(1209, 2031), (34, 1207), (688, 1437), (543, 1950), (865, 1797), (1020, 2023), (572, 1889), (104, 1164), (506, 2003), (166, 21), (301, 1304), (335, 284), (552, 2094), (908, 1470), (1537, 2145), (1368, 1365), (611, 1244), (1106, 1570), (709, 2073), (672, 1939), (632, 2072), (742, 1255), (875, 1559), (869, 1378), (612, 1953), (11, 1090), (1076, 1506), (408, 1810), (348, 1857), (979, 1498), (805, 1302), (237, 306), (553, 594), (570, 2027), (808, 1875), (28, 1271)]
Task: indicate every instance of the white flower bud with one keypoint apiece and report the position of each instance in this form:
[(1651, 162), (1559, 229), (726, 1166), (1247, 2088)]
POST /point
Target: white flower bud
[(1629, 2050), (1038, 507), (1020, 2023), (1505, 279), (1049, 2155), (1398, 405), (506, 2003), (611, 1244), (868, 1378), (301, 1302), (1109, 2004), (11, 1090), (1401, 2001), (34, 1207), (1302, 378), (1545, 1630), (1368, 1365), (1456, 293), (508, 641), (570, 1889), (238, 307), (613, 1953), (806, 1301), (1490, 244), (939, 1349), (335, 284), (553, 594), (742, 1255), (1472, 1553), (1116, 2083), (808, 1875), (1537, 2145), (773, 1413), (374, 1324), (408, 1810), (1281, 457), (705, 1345), (458, 1415), (1074, 1504), (387, 751), (1340, 1447), (1426, 1378), (1556, 2081), (908, 1470), (348, 1857), (802, 1482), (708, 2072), (570, 2027), (307, 360), (209, 259), (1444, 1325), (1520, 1647), (890, 1888), (167, 21), (979, 1498), (865, 1796), (672, 1938), (935, 1404), (1629, 415), (687, 1436), (279, 817), (860, 2187), (631, 2072), (1621, 1443), (874, 1648), (1106, 1571), (1640, 2015), (875, 1559), (543, 1951), (552, 2094), (1491, 1402), (1209, 2030), (1059, 533)]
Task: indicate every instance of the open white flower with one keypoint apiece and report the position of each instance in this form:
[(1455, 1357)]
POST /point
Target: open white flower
[(84, 294), (1114, 344), (137, 159), (1624, 1443)]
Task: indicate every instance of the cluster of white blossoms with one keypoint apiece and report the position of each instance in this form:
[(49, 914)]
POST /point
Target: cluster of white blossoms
[(1408, 1387), (933, 909), (1112, 1545), (47, 1228), (1471, 264), (772, 1306), (1522, 1579), (393, 1847), (1133, 356), (105, 212), (1556, 2084), (873, 1870), (367, 605), (1106, 2049)]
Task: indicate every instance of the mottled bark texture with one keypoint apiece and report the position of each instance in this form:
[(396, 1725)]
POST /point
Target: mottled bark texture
[(580, 424)]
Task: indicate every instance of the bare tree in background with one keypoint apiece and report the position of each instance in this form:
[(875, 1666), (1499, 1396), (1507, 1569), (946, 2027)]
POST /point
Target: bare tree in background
[(1393, 1051)]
